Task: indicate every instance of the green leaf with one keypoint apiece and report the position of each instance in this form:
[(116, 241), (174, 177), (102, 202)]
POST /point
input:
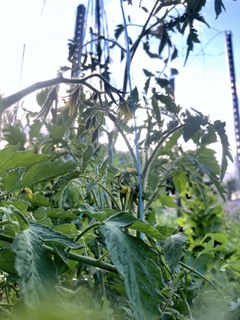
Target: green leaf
[(35, 268), (193, 125), (147, 229), (167, 201), (172, 141), (173, 250), (218, 5), (7, 261), (156, 111), (220, 129), (87, 156), (180, 181), (169, 103), (135, 94), (40, 172), (121, 219), (191, 39), (146, 86), (148, 73), (23, 224), (141, 276), (46, 234), (11, 158), (14, 136), (118, 31)]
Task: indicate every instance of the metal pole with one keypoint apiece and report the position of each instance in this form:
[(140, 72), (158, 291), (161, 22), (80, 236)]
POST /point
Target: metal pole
[(228, 36)]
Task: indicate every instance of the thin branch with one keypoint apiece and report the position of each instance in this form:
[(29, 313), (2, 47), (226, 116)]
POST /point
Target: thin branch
[(7, 102)]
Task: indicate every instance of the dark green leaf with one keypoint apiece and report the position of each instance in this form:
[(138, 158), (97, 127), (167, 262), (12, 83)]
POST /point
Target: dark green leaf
[(220, 129), (7, 261), (141, 276), (118, 31), (147, 73), (135, 94), (35, 268), (218, 4), (173, 250), (87, 156), (46, 234), (146, 86)]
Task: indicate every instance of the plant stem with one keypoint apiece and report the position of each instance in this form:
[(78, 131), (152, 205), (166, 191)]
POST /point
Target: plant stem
[(114, 120), (155, 151), (75, 257), (136, 44), (91, 226)]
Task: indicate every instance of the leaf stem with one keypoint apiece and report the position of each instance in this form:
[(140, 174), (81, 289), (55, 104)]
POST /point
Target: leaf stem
[(203, 277)]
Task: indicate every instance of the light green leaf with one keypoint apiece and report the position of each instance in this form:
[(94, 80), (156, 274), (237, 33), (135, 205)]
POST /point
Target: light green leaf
[(146, 229), (167, 201), (173, 248), (180, 181), (10, 158), (134, 261)]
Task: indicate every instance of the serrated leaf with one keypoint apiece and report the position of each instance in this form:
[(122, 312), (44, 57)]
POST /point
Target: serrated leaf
[(220, 129), (193, 125), (173, 250), (14, 136), (46, 234), (7, 261), (11, 158), (135, 94), (146, 229), (118, 31), (40, 172), (121, 219), (169, 103), (218, 5), (35, 268), (180, 181), (141, 276), (87, 156)]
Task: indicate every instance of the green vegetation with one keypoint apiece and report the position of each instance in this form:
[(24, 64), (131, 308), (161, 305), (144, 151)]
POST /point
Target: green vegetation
[(89, 232)]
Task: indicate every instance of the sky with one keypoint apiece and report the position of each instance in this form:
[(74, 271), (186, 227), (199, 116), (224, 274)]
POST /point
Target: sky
[(42, 28)]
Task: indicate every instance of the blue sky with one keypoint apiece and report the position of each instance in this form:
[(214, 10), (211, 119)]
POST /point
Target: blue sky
[(202, 84)]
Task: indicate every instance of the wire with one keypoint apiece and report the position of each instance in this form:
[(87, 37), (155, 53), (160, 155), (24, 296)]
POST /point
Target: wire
[(128, 64)]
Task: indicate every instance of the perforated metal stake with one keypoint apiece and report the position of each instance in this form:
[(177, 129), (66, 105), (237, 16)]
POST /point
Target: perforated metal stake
[(228, 36), (78, 38)]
